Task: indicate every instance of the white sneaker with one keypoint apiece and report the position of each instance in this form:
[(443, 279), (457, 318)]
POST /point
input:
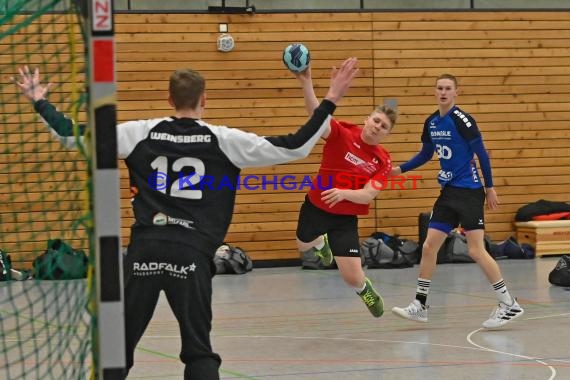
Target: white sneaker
[(414, 312), (502, 315)]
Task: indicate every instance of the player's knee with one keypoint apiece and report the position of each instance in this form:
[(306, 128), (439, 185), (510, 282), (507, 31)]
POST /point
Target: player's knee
[(429, 249), (477, 253)]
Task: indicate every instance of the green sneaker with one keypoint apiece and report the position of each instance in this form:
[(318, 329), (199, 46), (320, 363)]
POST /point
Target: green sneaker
[(325, 253), (372, 299)]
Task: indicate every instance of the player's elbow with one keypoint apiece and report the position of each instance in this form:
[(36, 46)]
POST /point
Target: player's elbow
[(370, 194), (301, 154)]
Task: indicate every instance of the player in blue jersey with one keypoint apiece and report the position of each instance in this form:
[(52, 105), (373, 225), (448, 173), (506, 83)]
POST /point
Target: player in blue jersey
[(453, 135)]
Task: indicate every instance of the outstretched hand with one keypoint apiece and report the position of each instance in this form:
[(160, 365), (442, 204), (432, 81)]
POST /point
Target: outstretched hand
[(30, 84), (341, 79)]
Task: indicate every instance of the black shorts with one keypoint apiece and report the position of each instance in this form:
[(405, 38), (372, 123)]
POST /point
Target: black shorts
[(459, 206), (341, 230)]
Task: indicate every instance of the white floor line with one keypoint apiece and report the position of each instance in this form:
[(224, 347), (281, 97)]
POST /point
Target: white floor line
[(538, 360)]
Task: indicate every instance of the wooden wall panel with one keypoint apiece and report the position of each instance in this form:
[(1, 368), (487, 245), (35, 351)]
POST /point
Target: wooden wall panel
[(248, 88), (513, 71), (513, 68)]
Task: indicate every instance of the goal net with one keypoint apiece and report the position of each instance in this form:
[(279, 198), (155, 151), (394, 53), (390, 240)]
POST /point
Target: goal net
[(45, 326)]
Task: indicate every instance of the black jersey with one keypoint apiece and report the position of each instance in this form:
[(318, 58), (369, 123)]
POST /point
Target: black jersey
[(183, 172)]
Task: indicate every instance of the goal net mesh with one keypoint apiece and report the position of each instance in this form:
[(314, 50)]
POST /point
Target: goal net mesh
[(45, 325)]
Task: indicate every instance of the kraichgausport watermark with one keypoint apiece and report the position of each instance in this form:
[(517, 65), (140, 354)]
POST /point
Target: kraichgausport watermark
[(160, 181)]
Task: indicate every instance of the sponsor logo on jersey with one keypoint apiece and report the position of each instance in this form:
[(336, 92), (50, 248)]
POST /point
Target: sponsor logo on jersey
[(180, 138), (440, 133), (157, 268), (463, 117), (446, 176), (474, 173), (160, 219), (353, 159), (432, 124)]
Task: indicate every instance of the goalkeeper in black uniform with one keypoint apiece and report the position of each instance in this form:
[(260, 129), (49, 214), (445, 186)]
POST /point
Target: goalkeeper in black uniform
[(183, 173)]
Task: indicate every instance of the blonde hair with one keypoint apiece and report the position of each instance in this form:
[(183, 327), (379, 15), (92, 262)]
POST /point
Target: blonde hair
[(391, 113)]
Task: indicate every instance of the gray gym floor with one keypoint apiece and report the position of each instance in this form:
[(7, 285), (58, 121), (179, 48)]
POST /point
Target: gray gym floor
[(288, 323)]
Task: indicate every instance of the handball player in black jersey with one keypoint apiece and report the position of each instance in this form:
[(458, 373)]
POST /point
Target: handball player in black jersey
[(183, 173)]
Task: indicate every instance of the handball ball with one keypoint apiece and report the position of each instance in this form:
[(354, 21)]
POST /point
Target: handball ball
[(296, 57)]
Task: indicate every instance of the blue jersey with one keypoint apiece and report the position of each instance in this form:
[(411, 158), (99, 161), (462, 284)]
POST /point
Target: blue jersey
[(450, 136)]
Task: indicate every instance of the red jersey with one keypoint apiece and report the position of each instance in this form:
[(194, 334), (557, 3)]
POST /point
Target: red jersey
[(348, 163)]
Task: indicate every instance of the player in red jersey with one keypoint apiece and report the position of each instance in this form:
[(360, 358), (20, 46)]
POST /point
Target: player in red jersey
[(353, 170)]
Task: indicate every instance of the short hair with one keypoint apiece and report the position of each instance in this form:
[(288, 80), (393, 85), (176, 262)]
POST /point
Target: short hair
[(447, 76), (185, 88), (388, 111)]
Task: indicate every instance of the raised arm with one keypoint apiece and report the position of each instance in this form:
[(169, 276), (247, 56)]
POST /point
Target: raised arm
[(247, 150), (32, 88), (30, 85), (340, 81), (306, 80), (311, 101)]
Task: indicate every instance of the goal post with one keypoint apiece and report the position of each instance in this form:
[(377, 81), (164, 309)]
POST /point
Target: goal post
[(109, 335)]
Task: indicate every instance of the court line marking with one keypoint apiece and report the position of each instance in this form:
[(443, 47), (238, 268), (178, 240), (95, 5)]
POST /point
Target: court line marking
[(548, 316), (538, 360), (351, 340), (475, 348), (177, 359)]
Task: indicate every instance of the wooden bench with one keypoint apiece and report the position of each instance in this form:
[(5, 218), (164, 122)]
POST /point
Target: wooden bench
[(548, 237)]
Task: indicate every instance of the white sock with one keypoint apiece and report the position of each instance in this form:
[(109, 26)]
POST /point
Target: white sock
[(422, 290), (360, 290), (502, 293), (321, 244)]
